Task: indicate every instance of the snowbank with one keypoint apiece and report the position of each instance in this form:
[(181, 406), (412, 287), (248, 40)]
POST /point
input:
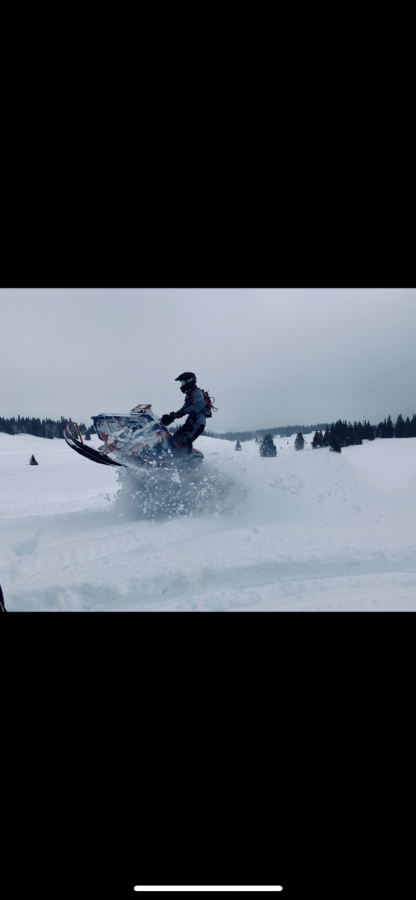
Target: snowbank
[(62, 482), (307, 530)]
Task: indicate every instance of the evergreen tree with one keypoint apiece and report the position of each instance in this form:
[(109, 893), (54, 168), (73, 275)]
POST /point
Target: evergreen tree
[(237, 446), (335, 445), (407, 428), (399, 429), (368, 431), (358, 433), (33, 461), (382, 429), (340, 431), (87, 436), (267, 447), (299, 442), (389, 428), (326, 437), (318, 440)]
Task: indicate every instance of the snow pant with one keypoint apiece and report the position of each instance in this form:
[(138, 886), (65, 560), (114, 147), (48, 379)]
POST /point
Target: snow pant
[(2, 606), (187, 434)]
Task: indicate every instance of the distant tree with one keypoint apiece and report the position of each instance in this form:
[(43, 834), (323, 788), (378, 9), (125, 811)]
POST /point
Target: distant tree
[(338, 431), (299, 442), (326, 437), (369, 431), (358, 433), (413, 427), (87, 436), (33, 461), (389, 428), (318, 440), (62, 424), (343, 431), (335, 445), (237, 446), (399, 429), (267, 447)]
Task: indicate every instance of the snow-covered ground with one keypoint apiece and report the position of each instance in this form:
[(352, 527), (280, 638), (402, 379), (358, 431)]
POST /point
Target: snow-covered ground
[(307, 530)]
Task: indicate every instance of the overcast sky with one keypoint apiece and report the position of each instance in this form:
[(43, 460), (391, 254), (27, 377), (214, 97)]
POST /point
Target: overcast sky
[(270, 357)]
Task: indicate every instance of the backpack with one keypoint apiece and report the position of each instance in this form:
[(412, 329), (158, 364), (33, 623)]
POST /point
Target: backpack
[(209, 405)]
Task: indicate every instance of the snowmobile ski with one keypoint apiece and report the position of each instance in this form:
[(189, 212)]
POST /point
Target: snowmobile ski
[(79, 446)]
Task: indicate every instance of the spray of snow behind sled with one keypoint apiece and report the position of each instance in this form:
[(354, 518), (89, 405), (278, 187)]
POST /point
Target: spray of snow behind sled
[(184, 489)]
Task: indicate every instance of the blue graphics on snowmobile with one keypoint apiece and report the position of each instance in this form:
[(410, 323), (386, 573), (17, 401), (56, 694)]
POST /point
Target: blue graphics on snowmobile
[(138, 438)]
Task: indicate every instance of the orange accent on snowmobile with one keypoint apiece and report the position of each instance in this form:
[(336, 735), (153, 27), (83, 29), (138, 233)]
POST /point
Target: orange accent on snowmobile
[(76, 426), (141, 406), (110, 447)]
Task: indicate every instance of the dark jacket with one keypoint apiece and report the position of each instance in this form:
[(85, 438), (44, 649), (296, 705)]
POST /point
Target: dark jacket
[(194, 407)]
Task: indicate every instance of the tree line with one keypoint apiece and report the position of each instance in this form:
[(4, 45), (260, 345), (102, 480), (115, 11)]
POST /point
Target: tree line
[(44, 428), (346, 432), (282, 431)]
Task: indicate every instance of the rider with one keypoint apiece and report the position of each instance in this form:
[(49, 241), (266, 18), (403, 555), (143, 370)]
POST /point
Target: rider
[(193, 407)]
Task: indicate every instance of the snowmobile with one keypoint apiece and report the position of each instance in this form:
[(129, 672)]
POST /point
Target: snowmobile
[(134, 439)]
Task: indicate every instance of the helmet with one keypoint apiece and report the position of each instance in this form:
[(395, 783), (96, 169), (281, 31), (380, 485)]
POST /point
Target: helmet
[(188, 381)]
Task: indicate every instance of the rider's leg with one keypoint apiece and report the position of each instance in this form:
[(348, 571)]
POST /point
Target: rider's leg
[(186, 436)]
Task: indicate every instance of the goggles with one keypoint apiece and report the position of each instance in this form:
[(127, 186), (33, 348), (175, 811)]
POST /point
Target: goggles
[(183, 383)]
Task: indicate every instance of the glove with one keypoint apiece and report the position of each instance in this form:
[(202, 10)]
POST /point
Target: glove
[(167, 419)]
